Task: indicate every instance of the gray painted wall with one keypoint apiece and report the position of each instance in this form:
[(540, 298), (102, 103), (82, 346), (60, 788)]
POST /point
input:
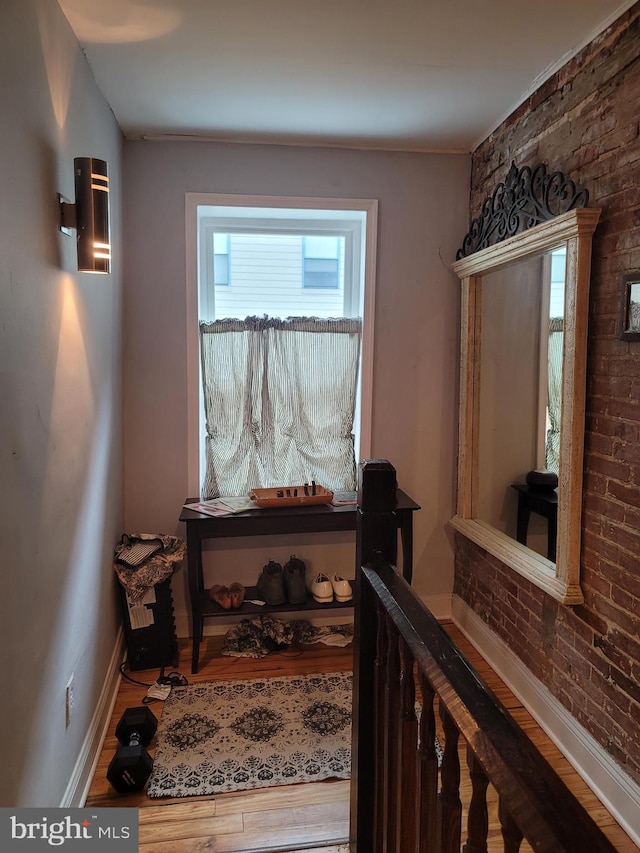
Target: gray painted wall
[(60, 416), (422, 219)]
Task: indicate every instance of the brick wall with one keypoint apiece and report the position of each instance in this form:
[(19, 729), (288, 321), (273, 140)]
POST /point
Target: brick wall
[(584, 121)]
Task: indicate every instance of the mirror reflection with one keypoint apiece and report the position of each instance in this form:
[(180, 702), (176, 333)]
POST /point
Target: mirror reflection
[(520, 397), (523, 347)]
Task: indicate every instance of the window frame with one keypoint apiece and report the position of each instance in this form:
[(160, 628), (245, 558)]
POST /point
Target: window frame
[(366, 308)]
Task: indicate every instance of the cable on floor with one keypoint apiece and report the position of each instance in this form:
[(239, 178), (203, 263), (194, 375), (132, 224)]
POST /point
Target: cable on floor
[(171, 679)]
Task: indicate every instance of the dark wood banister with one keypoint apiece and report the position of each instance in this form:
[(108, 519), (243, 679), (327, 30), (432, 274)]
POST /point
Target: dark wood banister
[(534, 801)]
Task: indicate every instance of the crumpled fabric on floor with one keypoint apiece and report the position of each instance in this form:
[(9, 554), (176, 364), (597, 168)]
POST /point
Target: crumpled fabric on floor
[(137, 580), (257, 637)]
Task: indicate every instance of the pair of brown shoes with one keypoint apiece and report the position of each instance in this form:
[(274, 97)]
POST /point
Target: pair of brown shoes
[(227, 597)]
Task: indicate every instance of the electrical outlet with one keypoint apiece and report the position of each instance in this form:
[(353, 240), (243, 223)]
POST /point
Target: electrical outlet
[(70, 699)]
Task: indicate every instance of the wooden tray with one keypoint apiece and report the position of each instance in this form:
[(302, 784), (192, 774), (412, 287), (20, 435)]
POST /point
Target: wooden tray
[(271, 498)]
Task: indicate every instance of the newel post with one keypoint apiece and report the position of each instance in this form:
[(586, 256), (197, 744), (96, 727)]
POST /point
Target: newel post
[(376, 539)]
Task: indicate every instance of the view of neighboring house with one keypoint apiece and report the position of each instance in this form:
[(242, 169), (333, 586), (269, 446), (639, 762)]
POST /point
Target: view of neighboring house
[(283, 276)]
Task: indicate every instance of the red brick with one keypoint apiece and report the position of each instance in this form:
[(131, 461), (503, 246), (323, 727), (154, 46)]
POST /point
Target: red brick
[(628, 561), (596, 583), (611, 386), (590, 619), (615, 616), (595, 483), (632, 518), (628, 409), (594, 505), (610, 468), (617, 429), (625, 494), (624, 538), (612, 653), (584, 121), (629, 580), (627, 646), (596, 543)]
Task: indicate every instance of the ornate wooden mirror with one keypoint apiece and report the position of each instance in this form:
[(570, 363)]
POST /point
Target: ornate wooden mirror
[(525, 268)]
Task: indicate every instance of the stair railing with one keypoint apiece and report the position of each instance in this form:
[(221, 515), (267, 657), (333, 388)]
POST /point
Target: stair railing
[(417, 702)]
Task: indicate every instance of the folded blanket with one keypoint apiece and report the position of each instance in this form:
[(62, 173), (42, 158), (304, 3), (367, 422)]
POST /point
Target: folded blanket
[(155, 568)]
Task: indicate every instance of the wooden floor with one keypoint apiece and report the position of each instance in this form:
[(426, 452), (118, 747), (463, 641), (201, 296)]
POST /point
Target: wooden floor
[(294, 817), (312, 817)]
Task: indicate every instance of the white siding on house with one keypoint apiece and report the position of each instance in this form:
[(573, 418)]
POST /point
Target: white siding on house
[(265, 274)]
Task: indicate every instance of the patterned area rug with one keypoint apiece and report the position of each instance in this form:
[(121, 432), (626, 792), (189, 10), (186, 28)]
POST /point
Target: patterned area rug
[(236, 735)]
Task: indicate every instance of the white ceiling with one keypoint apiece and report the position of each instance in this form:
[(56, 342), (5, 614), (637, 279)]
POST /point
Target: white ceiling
[(421, 75)]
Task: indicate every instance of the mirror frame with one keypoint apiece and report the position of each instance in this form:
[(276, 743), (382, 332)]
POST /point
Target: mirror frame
[(575, 229)]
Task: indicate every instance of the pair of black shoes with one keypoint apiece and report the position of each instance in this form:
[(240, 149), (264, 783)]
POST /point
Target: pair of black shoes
[(277, 585)]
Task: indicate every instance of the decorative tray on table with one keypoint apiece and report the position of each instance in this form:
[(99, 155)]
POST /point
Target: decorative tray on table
[(292, 495)]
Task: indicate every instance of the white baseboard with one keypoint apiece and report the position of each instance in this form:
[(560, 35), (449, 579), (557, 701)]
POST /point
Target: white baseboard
[(608, 781), (84, 769)]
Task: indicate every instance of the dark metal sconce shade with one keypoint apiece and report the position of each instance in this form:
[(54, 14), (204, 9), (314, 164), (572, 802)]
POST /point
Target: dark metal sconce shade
[(90, 215)]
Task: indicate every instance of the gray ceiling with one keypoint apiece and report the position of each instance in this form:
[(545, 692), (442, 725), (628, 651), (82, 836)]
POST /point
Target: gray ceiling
[(422, 75)]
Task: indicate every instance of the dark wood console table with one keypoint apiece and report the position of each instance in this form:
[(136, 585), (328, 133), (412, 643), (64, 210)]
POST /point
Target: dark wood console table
[(542, 502), (260, 522)]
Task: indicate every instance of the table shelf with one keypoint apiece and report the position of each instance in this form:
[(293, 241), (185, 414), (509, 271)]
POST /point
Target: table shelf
[(211, 608), (279, 521)]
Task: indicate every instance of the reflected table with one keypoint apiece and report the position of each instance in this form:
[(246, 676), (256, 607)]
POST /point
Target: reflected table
[(543, 502)]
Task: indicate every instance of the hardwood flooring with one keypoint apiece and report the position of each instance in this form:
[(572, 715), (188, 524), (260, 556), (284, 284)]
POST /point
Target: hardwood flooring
[(312, 818), (290, 818)]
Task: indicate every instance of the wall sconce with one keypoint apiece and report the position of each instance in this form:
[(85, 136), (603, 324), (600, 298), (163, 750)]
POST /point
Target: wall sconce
[(89, 215)]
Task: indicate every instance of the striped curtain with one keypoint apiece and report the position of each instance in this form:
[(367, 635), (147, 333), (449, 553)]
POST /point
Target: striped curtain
[(279, 401), (554, 390)]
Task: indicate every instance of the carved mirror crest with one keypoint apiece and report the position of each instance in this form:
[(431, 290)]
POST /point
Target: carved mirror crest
[(524, 268)]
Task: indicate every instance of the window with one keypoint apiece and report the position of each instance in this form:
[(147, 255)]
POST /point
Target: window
[(290, 258), (221, 259), (290, 262), (321, 261)]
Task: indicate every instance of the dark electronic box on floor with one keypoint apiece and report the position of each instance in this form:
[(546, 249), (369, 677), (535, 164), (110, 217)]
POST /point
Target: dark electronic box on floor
[(149, 628)]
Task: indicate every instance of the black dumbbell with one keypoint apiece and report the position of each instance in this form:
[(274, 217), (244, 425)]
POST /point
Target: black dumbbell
[(131, 766)]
